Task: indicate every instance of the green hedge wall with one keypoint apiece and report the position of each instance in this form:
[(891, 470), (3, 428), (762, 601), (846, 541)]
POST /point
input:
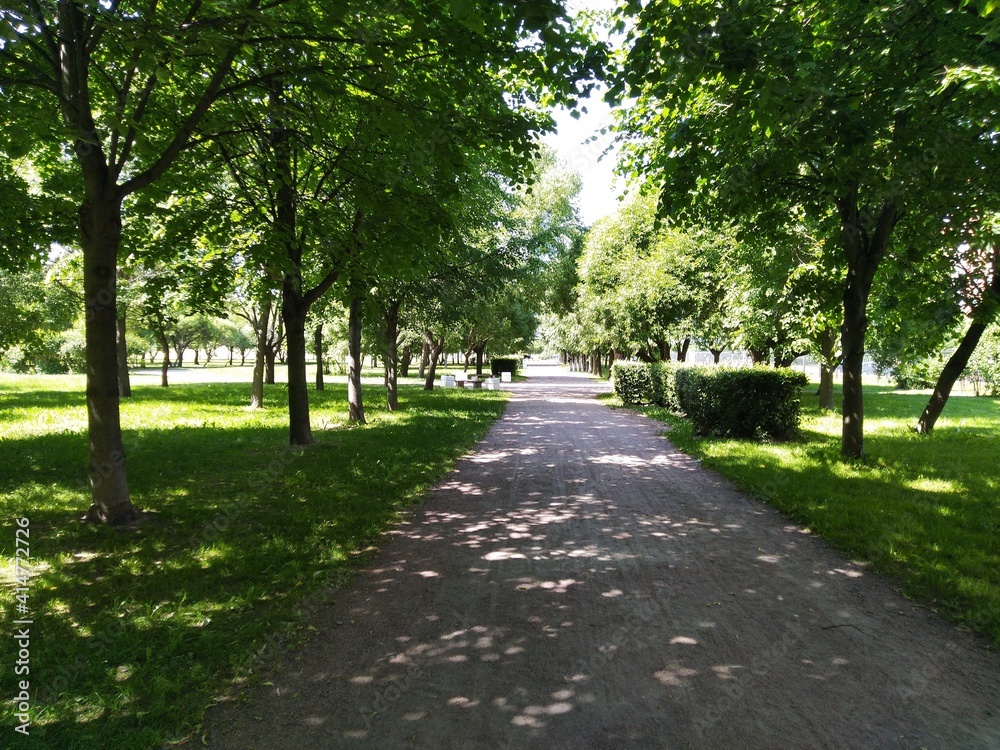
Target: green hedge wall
[(742, 403), (721, 401), (504, 364)]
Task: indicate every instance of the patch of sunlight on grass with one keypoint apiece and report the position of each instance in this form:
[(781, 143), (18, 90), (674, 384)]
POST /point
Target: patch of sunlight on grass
[(928, 484)]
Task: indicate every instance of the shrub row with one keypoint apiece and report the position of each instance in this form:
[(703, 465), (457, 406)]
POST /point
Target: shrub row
[(720, 401)]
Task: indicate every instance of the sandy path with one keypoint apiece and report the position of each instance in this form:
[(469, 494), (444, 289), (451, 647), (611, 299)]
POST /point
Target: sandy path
[(579, 583)]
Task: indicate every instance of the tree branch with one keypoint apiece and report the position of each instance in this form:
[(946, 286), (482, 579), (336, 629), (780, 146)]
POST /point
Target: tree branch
[(190, 124)]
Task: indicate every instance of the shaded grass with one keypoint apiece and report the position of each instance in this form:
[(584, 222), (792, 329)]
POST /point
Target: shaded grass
[(136, 631), (923, 509)]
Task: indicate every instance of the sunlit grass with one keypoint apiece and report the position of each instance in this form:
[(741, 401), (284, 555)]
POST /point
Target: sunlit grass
[(136, 631), (924, 509)]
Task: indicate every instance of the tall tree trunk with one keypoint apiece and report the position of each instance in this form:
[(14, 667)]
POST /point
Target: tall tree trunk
[(946, 380), (392, 355), (864, 251), (405, 360), (294, 307), (434, 348), (195, 355), (100, 231), (260, 360), (180, 355), (479, 360), (231, 352), (355, 401), (318, 346), (124, 384), (663, 347), (828, 354)]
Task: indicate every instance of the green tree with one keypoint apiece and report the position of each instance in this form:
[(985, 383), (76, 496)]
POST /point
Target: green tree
[(860, 114), (127, 87)]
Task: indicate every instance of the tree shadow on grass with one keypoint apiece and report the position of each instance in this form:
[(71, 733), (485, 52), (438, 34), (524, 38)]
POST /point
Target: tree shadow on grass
[(137, 628)]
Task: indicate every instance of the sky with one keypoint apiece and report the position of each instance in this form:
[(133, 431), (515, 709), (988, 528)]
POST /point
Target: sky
[(601, 188)]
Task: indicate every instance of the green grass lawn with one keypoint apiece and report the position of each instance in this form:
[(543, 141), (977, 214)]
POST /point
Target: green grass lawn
[(925, 510), (136, 631)]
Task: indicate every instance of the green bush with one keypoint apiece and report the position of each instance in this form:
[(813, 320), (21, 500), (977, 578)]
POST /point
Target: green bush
[(914, 375), (741, 403), (633, 382), (504, 364), (984, 366)]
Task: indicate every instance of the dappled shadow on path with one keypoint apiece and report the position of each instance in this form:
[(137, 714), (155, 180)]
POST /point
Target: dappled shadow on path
[(578, 583)]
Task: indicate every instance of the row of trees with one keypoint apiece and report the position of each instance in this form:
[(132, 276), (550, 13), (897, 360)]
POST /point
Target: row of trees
[(856, 139), (361, 152)]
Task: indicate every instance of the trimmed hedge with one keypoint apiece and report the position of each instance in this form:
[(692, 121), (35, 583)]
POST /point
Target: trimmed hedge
[(719, 401), (633, 382), (646, 383), (504, 364), (741, 403)]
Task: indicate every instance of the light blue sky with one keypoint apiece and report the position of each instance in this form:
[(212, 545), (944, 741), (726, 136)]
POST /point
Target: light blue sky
[(600, 187)]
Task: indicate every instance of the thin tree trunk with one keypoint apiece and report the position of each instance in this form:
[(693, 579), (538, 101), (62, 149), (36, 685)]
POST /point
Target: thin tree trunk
[(260, 359), (716, 355), (318, 346), (424, 359), (952, 371), (355, 400), (165, 365), (983, 315), (124, 384), (434, 352), (231, 354), (828, 353), (479, 360), (392, 355)]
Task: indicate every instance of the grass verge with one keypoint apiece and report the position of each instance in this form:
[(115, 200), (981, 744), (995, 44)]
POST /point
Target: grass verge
[(134, 632), (923, 509)]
